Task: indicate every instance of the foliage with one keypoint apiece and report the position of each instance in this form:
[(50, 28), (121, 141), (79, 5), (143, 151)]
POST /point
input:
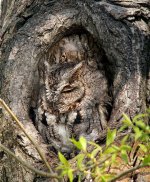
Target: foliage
[(105, 163), (126, 150)]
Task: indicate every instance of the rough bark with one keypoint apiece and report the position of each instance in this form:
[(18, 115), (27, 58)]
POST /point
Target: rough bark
[(30, 28)]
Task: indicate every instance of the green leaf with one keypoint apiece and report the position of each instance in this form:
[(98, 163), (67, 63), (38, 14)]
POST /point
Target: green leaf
[(113, 158), (139, 116), (64, 172), (77, 144), (145, 137), (127, 120), (125, 147), (103, 179), (107, 163), (110, 150), (124, 155), (141, 124), (124, 140), (143, 148), (60, 167), (147, 129), (95, 152), (83, 143), (63, 159), (70, 175), (146, 160), (138, 132), (116, 147), (122, 128), (80, 158), (110, 137)]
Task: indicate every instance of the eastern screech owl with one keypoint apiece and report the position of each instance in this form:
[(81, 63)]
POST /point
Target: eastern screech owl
[(73, 92)]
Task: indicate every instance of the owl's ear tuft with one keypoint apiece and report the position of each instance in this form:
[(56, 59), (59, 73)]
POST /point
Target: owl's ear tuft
[(75, 70)]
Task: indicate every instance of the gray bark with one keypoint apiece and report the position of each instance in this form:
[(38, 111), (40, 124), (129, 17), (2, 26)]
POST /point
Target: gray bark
[(30, 28)]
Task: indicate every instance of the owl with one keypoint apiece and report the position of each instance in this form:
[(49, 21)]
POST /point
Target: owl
[(73, 90)]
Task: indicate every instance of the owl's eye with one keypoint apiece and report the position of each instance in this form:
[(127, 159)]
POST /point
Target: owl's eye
[(68, 89)]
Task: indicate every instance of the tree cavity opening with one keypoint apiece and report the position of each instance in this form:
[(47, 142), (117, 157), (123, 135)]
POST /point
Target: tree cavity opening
[(74, 95)]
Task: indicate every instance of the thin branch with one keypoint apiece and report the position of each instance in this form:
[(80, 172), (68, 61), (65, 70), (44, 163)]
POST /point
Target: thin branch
[(39, 172), (22, 128), (127, 172)]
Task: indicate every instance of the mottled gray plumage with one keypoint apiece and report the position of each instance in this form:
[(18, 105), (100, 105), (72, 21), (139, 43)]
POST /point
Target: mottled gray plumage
[(73, 92)]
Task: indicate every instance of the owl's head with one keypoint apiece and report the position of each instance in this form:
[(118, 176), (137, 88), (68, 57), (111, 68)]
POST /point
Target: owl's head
[(68, 88)]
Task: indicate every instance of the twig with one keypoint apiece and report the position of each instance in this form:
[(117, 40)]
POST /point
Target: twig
[(39, 172), (22, 128), (127, 172)]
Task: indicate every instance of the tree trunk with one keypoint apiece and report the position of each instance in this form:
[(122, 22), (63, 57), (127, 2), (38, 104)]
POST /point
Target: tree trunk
[(119, 33)]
